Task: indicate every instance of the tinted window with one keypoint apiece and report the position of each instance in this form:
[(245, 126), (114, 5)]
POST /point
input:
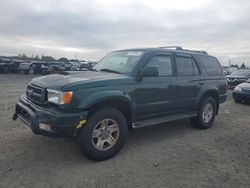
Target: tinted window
[(211, 65), (163, 63), (196, 70), (186, 66)]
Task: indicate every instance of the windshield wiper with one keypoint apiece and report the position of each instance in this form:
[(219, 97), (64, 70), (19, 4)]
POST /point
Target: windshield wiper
[(109, 70)]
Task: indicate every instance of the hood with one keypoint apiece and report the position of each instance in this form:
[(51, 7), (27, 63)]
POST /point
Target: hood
[(245, 85), (57, 81), (235, 76)]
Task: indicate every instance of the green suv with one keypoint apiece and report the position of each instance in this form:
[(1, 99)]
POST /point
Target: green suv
[(127, 89)]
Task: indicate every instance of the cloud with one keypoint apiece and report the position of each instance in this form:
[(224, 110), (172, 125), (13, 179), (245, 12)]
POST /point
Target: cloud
[(93, 28)]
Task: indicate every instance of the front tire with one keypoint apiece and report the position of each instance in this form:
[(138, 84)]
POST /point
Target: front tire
[(104, 134), (206, 114), (237, 100)]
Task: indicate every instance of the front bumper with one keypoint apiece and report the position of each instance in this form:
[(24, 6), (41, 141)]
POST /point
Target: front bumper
[(233, 84), (245, 96), (63, 124)]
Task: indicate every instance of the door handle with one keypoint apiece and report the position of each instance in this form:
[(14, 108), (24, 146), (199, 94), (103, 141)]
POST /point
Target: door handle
[(201, 83)]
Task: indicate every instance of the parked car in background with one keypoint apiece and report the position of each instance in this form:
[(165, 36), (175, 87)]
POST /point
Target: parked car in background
[(67, 66), (5, 67), (84, 65), (93, 63), (241, 92), (24, 68), (52, 69), (44, 67), (30, 67), (237, 78), (37, 68), (2, 67), (225, 70), (9, 67), (75, 65), (228, 70)]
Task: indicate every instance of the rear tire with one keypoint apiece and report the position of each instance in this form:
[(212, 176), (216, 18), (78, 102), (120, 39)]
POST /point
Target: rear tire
[(206, 113), (104, 134), (237, 100)]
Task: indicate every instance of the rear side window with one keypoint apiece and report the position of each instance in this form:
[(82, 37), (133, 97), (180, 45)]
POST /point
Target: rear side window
[(211, 65), (163, 63), (186, 66)]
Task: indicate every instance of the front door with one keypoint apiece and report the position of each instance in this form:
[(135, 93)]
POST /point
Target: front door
[(156, 96)]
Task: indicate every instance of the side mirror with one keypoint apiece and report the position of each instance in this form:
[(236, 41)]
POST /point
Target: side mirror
[(150, 71)]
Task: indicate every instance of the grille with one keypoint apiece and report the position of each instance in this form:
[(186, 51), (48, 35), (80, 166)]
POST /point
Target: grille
[(232, 79), (36, 94), (246, 90)]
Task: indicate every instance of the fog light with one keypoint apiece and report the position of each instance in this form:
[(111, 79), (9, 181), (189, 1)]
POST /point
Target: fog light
[(44, 126)]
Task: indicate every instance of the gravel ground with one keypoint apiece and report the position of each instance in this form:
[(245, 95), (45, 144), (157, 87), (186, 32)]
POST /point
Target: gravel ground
[(168, 155)]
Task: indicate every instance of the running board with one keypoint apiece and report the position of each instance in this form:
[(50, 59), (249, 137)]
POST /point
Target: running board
[(165, 119)]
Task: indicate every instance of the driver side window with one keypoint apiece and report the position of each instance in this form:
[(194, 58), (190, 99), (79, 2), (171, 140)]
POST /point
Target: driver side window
[(163, 63)]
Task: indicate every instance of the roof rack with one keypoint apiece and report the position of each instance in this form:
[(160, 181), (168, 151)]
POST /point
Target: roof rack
[(175, 47), (180, 48), (196, 51)]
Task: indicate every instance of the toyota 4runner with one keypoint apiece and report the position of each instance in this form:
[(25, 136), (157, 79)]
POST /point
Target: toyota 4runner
[(127, 89)]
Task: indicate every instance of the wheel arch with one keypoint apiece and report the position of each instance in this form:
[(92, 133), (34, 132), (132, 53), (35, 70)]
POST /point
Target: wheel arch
[(121, 102), (212, 93)]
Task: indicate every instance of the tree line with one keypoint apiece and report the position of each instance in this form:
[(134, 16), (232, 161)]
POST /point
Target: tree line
[(41, 58), (243, 66)]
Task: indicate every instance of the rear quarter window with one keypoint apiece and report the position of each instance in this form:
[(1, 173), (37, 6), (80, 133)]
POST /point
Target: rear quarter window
[(186, 66), (211, 65)]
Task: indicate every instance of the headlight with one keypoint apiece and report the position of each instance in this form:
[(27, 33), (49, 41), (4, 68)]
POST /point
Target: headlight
[(59, 97), (237, 88), (241, 79)]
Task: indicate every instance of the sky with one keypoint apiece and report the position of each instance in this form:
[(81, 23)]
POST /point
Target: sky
[(89, 29)]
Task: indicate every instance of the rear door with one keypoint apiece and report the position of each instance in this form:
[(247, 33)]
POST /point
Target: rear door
[(189, 79)]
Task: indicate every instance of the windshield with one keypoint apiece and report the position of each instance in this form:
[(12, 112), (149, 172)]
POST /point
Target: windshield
[(241, 73), (119, 62), (248, 81)]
